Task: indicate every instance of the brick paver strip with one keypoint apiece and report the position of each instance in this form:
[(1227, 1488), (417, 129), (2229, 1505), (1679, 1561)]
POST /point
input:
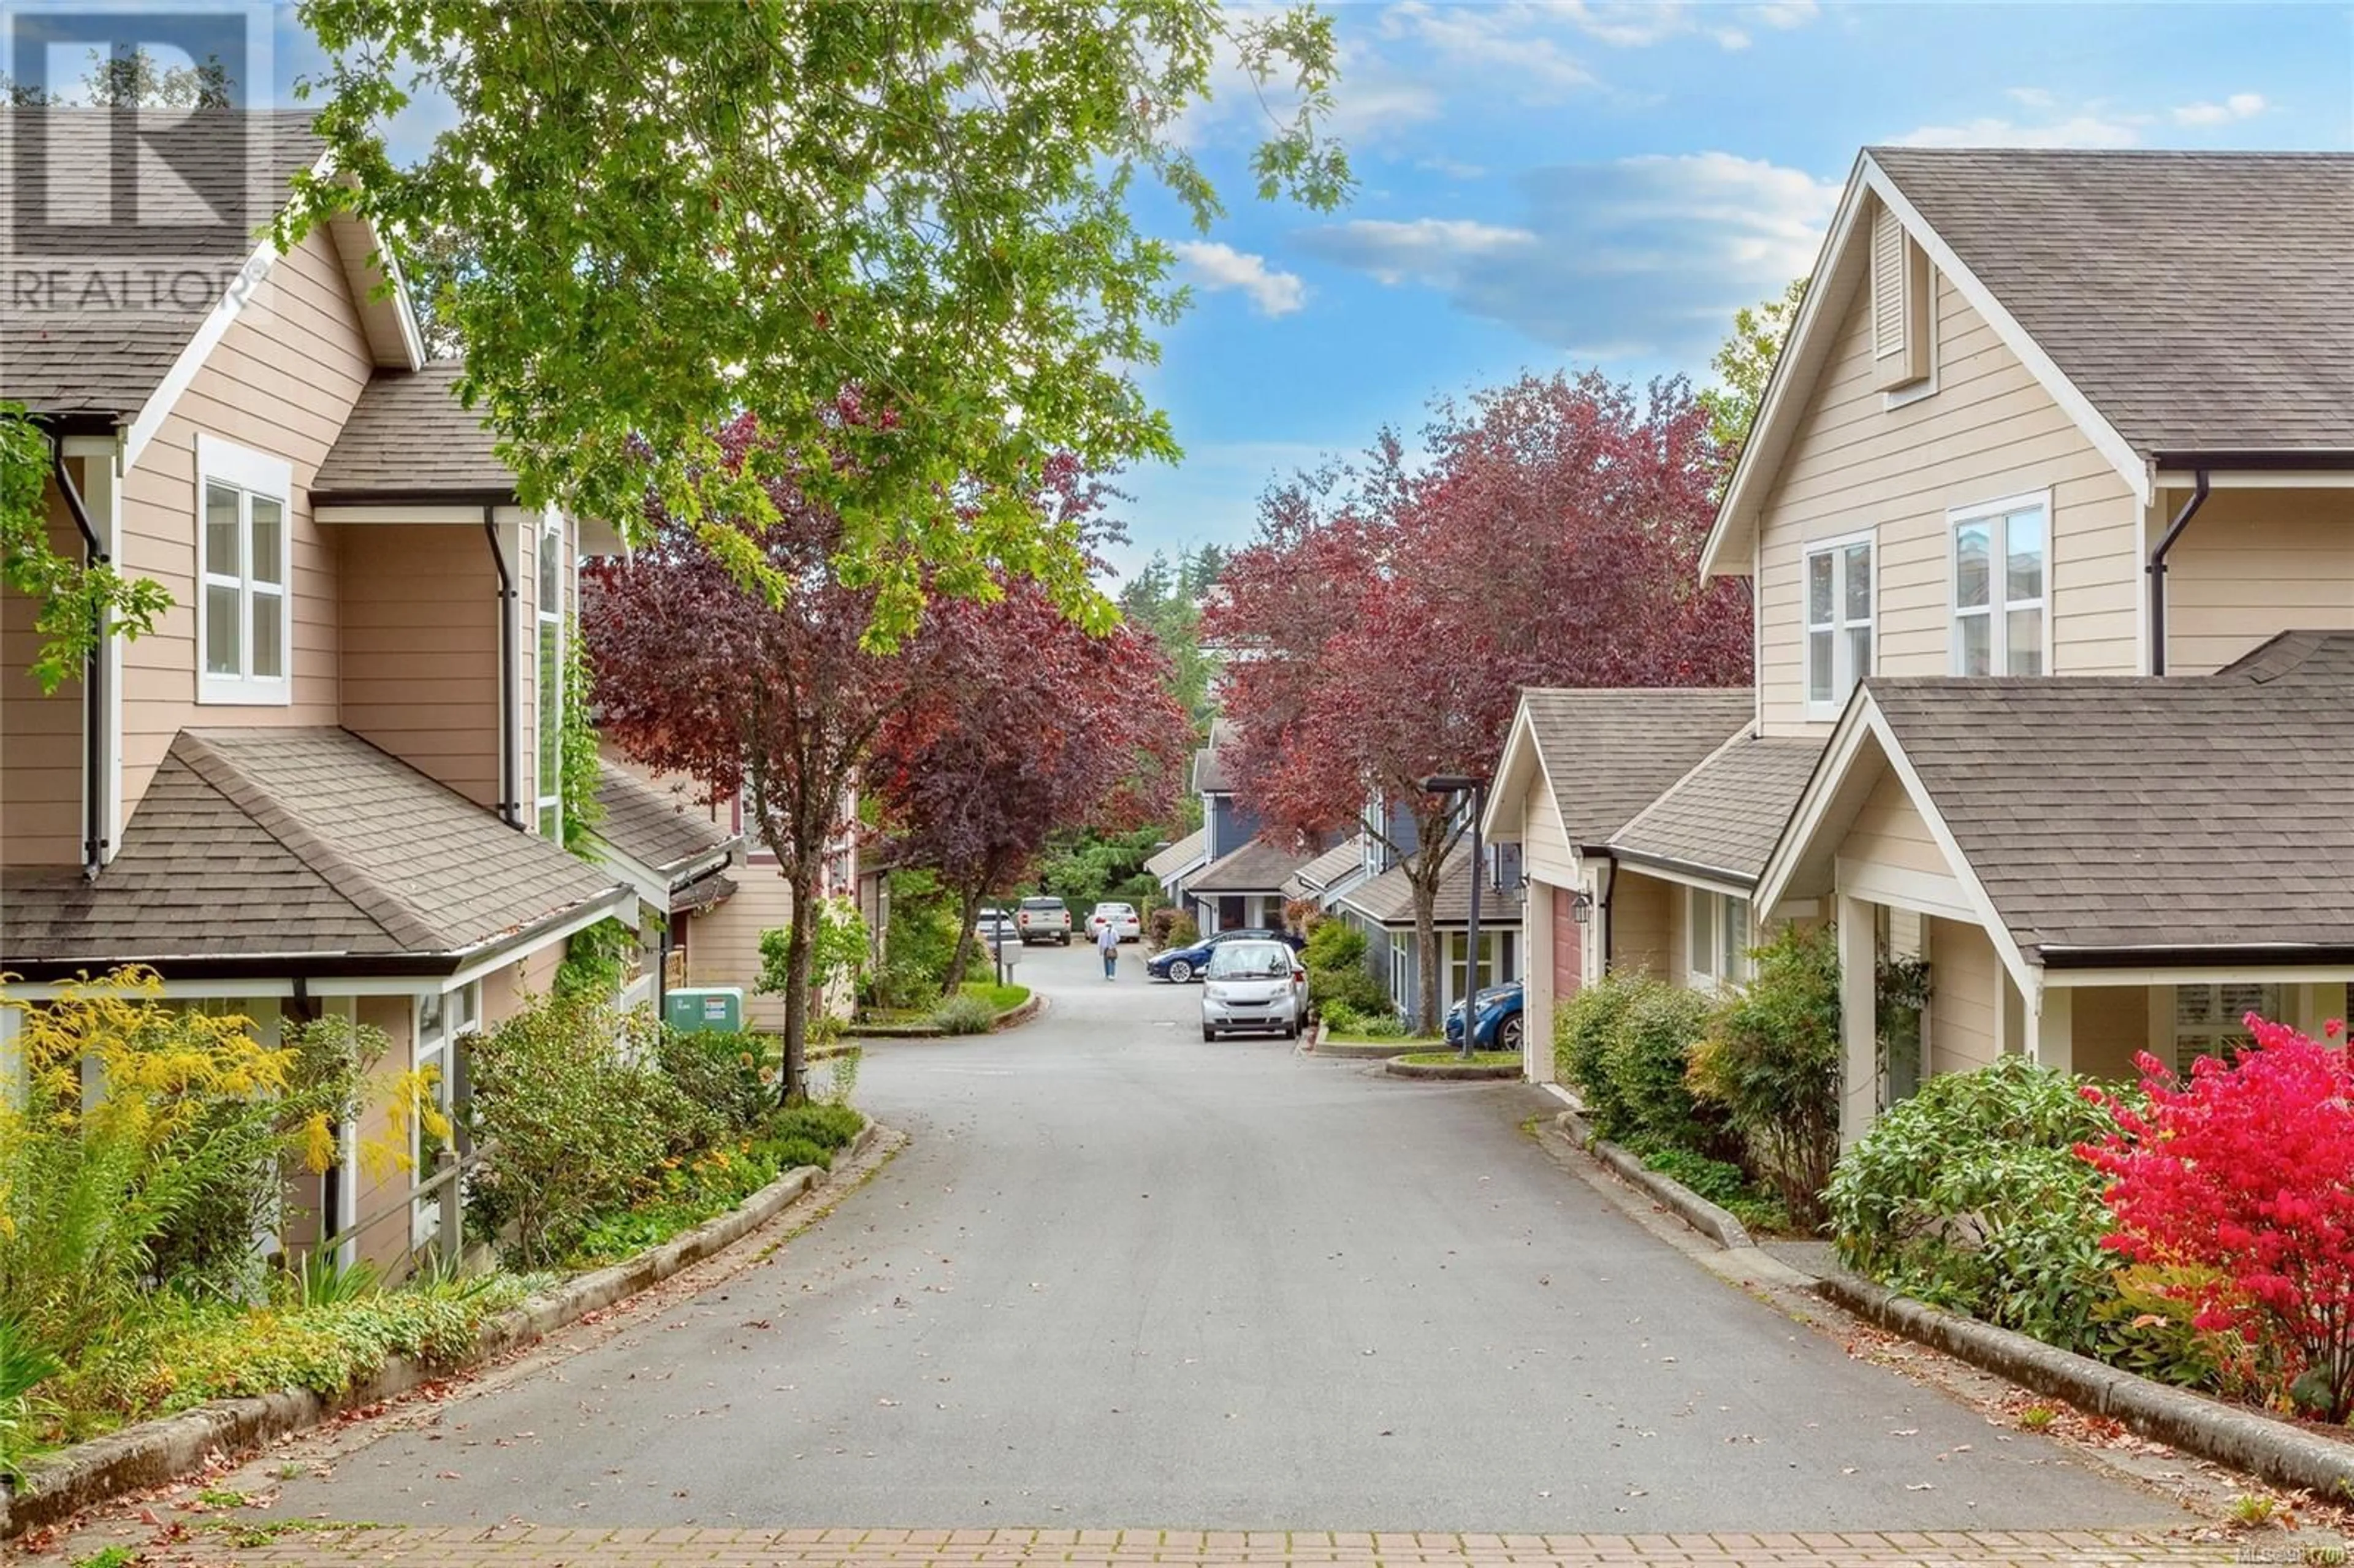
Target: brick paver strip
[(522, 1546)]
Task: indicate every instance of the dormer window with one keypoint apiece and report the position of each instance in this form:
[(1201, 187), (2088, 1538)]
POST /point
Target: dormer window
[(1901, 326)]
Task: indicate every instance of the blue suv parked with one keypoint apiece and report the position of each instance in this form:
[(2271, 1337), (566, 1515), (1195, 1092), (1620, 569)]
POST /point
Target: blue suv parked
[(1498, 1026)]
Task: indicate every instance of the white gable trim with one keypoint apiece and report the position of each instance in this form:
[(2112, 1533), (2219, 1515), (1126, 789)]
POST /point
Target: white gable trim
[(1744, 495), (2129, 464), (1519, 741), (192, 356), (1863, 721)]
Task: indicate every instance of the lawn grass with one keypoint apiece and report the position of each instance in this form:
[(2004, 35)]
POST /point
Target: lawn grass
[(1003, 998), (1403, 1041), (1449, 1056)]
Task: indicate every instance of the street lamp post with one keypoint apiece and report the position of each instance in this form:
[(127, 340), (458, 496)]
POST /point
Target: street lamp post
[(1458, 784)]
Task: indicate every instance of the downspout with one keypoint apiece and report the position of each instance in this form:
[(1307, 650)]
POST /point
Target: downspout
[(2157, 569), (1608, 867), (93, 683), (510, 812)]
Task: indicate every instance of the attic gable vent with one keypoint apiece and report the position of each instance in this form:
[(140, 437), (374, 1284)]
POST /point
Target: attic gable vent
[(1900, 304)]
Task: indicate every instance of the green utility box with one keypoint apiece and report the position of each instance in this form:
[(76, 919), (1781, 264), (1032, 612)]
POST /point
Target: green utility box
[(705, 1008)]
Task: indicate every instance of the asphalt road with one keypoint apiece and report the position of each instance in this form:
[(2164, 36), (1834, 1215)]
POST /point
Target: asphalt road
[(1122, 1278)]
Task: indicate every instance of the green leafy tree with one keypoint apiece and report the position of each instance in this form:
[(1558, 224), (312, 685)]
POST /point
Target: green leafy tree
[(1744, 364), (680, 214), (79, 601), (1164, 598)]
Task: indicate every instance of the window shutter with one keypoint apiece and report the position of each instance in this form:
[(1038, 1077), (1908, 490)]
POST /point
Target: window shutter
[(1900, 303)]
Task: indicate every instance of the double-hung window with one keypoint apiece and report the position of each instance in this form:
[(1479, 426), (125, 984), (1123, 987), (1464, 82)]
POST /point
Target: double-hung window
[(245, 613), (551, 679), (1717, 933), (2002, 575), (1838, 599)]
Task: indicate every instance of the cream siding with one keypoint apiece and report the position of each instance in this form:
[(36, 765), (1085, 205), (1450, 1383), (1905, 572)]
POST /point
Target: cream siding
[(381, 1180), (420, 672), (2254, 563), (2108, 1026), (281, 381), (1966, 998), (1643, 931), (40, 736), (1545, 849), (1986, 433), (725, 948), (1890, 831)]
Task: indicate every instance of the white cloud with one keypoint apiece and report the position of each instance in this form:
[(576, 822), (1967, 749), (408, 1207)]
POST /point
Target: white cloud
[(1500, 43), (1219, 267), (1452, 168), (1644, 257), (2239, 106), (2087, 128)]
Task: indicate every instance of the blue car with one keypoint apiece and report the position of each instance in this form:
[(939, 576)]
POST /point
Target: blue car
[(1499, 1025), (1182, 964)]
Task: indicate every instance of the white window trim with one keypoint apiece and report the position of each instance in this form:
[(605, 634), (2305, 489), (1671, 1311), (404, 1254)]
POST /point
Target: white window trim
[(1716, 976), (1840, 626), (1998, 605), (441, 1046), (549, 781), (255, 473)]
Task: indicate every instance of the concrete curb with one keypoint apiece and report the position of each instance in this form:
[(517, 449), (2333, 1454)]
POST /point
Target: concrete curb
[(153, 1452), (1355, 1050), (2244, 1439), (1451, 1072), (1012, 1017), (1687, 1205)]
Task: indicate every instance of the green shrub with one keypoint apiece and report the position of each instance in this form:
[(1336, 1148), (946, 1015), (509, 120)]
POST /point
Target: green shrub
[(1584, 1029), (1649, 1063), (919, 942), (570, 1126), (1342, 1019), (24, 1367), (1770, 1063), (1335, 944), (1382, 1025), (1170, 926), (726, 1073), (827, 1126), (793, 1153), (964, 1013), (1969, 1196), (1720, 1181)]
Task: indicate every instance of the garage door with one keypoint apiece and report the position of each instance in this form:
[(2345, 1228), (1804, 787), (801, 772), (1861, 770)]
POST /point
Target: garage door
[(1568, 939)]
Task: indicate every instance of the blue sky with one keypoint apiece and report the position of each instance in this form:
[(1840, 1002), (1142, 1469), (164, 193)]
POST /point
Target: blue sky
[(1566, 185), (1563, 185)]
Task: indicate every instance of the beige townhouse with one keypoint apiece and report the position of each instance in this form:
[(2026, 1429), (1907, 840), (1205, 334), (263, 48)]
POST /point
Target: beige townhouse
[(2050, 514), (326, 781)]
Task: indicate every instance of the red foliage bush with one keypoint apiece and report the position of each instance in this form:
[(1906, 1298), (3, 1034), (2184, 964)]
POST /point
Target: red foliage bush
[(2242, 1180)]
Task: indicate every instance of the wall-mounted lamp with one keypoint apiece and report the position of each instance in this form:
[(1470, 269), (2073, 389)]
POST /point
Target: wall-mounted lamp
[(1581, 906)]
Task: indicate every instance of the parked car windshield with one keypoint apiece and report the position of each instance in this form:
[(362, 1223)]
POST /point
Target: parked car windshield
[(1250, 960)]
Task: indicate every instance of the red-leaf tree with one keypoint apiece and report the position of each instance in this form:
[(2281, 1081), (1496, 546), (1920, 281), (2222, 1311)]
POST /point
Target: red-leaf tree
[(777, 703), (2241, 1183), (1043, 728), (1381, 626)]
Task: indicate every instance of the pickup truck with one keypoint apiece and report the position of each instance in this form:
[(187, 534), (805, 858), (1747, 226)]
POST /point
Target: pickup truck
[(1043, 920)]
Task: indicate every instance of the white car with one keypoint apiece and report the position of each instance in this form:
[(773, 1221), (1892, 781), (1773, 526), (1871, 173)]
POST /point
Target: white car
[(1120, 918), (1257, 987)]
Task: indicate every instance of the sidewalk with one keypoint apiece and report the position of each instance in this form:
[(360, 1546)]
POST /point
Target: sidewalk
[(537, 1547)]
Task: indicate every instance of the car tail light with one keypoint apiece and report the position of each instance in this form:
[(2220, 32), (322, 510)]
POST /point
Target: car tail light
[(1298, 977)]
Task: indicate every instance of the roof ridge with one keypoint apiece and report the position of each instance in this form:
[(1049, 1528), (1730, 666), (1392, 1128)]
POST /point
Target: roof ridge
[(393, 914), (1681, 778)]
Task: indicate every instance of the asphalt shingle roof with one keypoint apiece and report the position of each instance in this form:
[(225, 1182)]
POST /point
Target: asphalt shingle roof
[(1389, 897), (1610, 752), (2197, 299), (2106, 812), (302, 843), (1259, 866), (1726, 814), (410, 434), (120, 302), (1168, 863), (1329, 867), (1209, 766), (659, 828)]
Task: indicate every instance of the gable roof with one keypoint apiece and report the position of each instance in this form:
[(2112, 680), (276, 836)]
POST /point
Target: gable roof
[(2116, 819), (1181, 856), (661, 830), (2197, 299), (1259, 866), (103, 339), (1329, 867), (1608, 752), (1209, 768), (409, 436), (1724, 818), (2171, 303), (1388, 899), (299, 851)]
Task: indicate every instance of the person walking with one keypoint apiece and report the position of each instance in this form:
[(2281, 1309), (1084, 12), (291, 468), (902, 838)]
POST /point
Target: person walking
[(1107, 942)]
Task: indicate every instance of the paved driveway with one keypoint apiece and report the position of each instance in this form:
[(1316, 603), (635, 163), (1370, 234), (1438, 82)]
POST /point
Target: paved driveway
[(1124, 1278)]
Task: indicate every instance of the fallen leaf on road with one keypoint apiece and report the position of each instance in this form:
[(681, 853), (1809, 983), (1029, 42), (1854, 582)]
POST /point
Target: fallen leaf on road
[(1919, 1487), (448, 1475)]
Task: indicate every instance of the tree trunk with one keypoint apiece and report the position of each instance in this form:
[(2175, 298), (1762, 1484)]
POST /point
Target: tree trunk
[(968, 909), (1425, 947), (800, 947)]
